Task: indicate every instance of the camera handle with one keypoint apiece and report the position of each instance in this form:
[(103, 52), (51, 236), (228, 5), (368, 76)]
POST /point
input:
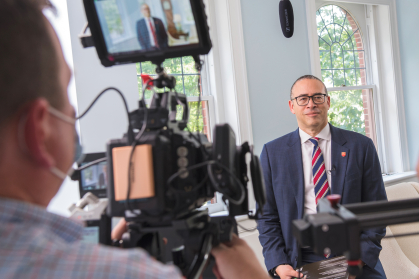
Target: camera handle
[(199, 233)]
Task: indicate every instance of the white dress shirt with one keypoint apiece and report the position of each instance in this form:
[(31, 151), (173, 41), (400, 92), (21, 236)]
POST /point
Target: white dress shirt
[(307, 151), (149, 20)]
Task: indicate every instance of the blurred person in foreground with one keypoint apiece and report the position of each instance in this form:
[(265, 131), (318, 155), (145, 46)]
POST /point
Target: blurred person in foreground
[(37, 146)]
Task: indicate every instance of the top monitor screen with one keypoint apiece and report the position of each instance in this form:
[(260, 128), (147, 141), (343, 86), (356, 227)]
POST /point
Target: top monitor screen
[(140, 30), (136, 25)]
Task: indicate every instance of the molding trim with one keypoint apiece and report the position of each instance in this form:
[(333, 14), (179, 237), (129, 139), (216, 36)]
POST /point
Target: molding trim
[(312, 38), (228, 66), (399, 141), (399, 87)]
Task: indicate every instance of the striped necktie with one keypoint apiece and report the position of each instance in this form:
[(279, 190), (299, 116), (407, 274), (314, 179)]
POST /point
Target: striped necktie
[(321, 185), (153, 32)]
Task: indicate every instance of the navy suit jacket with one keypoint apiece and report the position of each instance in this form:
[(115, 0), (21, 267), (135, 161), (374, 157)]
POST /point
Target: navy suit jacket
[(144, 36), (357, 178)]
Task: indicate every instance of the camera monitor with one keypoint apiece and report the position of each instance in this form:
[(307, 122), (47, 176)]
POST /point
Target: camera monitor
[(128, 31), (94, 179)]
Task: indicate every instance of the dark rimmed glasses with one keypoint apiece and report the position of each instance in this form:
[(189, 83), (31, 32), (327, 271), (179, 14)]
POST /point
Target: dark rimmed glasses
[(316, 98)]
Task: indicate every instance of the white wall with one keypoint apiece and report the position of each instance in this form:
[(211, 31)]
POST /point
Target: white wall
[(408, 22), (69, 192), (273, 64), (107, 119)]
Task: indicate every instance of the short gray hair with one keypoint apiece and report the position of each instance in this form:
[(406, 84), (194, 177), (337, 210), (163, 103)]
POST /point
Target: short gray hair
[(308, 77), (29, 66)]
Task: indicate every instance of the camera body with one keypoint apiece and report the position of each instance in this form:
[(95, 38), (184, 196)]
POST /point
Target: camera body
[(169, 151)]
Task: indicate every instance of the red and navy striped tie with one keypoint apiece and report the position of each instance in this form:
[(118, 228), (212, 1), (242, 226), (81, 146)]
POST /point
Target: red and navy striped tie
[(321, 185)]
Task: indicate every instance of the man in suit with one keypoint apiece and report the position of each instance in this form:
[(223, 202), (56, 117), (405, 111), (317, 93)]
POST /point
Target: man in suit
[(150, 31), (310, 163), (103, 178)]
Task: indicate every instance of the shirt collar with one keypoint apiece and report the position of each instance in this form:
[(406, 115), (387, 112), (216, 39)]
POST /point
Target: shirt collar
[(14, 211), (324, 134)]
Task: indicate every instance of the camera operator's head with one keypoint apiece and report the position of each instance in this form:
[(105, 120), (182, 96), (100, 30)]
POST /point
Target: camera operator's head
[(310, 103), (36, 119)]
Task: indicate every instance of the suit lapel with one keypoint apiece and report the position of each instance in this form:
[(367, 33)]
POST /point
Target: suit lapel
[(340, 155), (295, 168)]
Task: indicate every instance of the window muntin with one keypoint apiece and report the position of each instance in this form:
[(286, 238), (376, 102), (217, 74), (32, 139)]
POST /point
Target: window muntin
[(343, 65), (188, 81), (342, 53), (347, 110)]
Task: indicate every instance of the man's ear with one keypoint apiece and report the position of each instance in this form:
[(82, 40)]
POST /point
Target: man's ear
[(36, 132), (291, 105), (328, 101)]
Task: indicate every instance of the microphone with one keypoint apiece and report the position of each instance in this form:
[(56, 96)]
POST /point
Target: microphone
[(330, 171), (286, 16)]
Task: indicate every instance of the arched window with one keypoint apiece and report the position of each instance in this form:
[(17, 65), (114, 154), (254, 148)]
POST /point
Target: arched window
[(341, 48), (344, 71)]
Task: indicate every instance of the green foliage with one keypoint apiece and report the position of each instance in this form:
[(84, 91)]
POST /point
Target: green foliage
[(339, 61), (346, 110), (112, 17), (188, 81), (187, 77), (339, 55), (195, 124)]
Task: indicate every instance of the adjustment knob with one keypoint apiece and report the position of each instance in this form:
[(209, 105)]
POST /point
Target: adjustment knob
[(334, 200)]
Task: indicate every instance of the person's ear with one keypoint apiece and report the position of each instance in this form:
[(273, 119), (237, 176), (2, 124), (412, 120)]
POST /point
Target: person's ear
[(36, 133), (291, 105), (328, 102)]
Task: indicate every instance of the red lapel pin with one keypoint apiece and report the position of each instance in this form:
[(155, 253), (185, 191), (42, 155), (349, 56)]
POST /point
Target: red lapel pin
[(343, 154)]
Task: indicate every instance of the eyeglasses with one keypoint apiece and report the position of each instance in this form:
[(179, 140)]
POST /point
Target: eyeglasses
[(304, 100)]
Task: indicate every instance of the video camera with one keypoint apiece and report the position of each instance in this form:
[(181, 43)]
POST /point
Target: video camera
[(159, 174)]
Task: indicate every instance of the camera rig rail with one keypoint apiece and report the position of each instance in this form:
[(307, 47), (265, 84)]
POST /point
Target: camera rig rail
[(336, 228)]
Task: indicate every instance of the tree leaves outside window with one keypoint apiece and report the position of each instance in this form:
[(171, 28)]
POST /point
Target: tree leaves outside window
[(188, 81), (342, 61)]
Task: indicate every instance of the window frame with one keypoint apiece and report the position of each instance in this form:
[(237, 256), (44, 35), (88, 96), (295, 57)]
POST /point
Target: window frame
[(382, 40), (205, 94)]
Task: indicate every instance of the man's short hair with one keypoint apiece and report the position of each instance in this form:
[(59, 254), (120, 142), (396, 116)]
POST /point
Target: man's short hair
[(29, 67), (307, 77)]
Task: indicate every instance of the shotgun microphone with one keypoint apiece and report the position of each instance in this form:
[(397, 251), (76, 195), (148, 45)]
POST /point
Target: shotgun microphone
[(286, 16)]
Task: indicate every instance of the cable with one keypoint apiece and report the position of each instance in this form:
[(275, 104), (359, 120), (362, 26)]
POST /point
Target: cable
[(91, 164), (130, 130), (134, 144), (208, 164), (100, 95), (401, 235), (245, 229), (185, 106), (197, 138), (200, 165), (238, 182), (198, 67)]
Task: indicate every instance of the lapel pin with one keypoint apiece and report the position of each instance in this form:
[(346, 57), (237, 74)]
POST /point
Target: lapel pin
[(343, 154)]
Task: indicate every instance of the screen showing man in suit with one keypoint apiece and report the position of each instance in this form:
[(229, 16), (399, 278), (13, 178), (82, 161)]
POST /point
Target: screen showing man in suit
[(312, 162), (150, 30), (146, 25), (95, 177)]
